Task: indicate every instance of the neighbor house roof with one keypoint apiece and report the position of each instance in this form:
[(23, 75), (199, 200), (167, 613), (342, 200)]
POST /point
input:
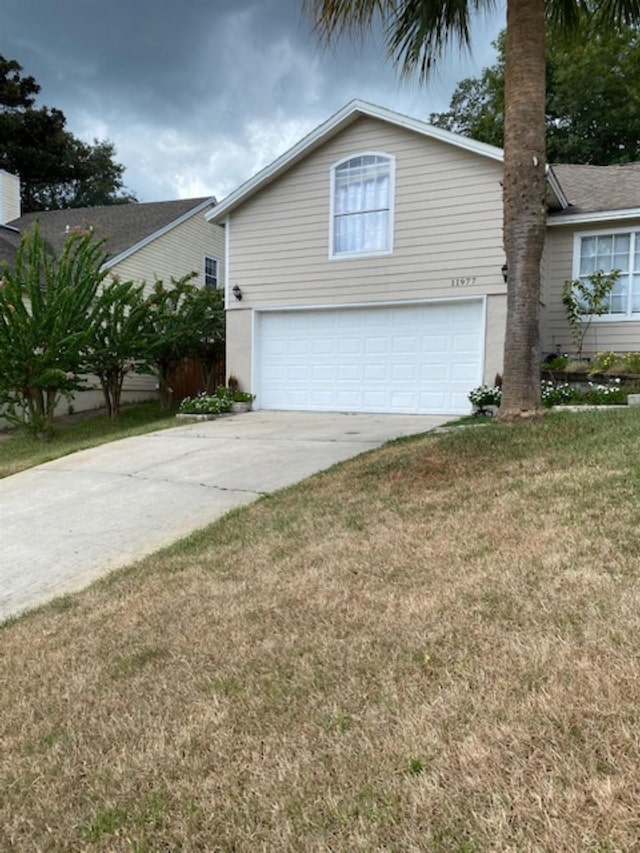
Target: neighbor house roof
[(9, 241), (347, 115), (599, 192), (124, 227)]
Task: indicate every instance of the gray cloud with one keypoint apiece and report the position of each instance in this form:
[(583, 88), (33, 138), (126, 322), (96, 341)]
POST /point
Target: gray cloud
[(198, 95)]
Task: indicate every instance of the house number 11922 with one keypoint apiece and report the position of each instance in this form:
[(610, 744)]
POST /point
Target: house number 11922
[(463, 281)]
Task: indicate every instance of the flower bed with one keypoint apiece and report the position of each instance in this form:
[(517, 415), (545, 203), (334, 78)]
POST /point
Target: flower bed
[(612, 392), (223, 401)]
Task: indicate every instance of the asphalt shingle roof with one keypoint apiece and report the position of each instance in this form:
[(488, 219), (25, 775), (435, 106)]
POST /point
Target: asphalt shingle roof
[(121, 225), (595, 188)]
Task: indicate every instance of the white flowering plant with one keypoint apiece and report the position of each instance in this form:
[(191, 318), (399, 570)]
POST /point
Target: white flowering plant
[(206, 404), (484, 396), (558, 393)]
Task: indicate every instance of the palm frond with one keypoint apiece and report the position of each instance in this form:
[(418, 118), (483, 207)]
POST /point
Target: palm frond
[(333, 18), (416, 31)]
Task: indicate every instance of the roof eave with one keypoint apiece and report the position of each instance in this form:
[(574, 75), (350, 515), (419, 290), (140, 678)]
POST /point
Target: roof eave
[(556, 188), (595, 216)]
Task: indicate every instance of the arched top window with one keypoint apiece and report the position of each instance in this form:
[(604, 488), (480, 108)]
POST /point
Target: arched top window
[(362, 205)]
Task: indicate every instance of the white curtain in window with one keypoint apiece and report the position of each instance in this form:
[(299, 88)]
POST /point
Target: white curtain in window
[(361, 206)]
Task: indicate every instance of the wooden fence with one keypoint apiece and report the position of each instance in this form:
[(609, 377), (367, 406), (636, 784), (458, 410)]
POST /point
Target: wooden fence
[(189, 379)]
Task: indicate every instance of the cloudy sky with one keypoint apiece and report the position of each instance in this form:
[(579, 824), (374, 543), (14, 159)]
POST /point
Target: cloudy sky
[(198, 95)]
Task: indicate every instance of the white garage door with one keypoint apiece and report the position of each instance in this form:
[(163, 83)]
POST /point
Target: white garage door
[(410, 358)]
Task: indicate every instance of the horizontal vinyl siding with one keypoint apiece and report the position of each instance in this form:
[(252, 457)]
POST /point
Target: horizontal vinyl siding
[(448, 224), (176, 254), (9, 197), (602, 335)]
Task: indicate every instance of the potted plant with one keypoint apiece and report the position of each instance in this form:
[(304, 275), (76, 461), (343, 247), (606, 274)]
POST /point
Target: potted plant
[(241, 401)]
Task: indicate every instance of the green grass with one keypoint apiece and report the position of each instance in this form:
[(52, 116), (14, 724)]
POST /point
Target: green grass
[(19, 450), (434, 646)]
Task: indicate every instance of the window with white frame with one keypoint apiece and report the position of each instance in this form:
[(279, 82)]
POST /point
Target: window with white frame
[(210, 272), (617, 250), (362, 205)]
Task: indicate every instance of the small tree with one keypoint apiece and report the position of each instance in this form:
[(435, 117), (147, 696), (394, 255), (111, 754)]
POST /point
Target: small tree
[(45, 304), (584, 300), (118, 342), (184, 320)]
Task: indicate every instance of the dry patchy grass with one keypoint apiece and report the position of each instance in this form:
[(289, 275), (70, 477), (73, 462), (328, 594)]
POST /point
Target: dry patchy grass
[(433, 647)]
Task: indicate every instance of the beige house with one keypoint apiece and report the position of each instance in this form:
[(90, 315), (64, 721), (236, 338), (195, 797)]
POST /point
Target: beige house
[(365, 266), (144, 242)]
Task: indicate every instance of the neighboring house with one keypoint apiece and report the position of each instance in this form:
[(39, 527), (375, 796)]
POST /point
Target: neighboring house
[(144, 243), (365, 266)]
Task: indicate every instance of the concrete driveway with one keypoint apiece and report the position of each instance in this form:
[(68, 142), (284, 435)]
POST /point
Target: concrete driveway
[(66, 523)]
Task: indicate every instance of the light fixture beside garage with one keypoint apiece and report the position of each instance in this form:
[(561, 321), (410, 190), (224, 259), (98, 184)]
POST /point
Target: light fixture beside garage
[(505, 272), (237, 292)]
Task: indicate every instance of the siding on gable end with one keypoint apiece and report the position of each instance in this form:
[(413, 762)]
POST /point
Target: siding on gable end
[(176, 253), (448, 225), (603, 335)]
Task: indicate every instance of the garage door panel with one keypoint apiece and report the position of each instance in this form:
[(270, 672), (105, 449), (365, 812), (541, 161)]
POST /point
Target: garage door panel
[(376, 346), (350, 373), (418, 358)]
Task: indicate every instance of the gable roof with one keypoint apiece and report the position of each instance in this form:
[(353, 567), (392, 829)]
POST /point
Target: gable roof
[(124, 227), (342, 119), (599, 192)]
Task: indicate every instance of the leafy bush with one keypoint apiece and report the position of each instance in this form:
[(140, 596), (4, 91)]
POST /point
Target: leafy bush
[(604, 361), (485, 395), (218, 403), (558, 362), (605, 395), (557, 394), (616, 363), (584, 299), (206, 404)]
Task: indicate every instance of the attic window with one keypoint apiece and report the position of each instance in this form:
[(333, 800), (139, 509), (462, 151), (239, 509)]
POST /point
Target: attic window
[(362, 205)]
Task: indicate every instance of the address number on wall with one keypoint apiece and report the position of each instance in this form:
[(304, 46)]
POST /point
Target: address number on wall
[(463, 281)]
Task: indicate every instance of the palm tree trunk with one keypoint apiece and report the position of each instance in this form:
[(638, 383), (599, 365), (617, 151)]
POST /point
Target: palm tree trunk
[(524, 196)]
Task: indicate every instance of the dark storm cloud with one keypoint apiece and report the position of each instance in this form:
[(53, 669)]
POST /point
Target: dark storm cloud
[(199, 94)]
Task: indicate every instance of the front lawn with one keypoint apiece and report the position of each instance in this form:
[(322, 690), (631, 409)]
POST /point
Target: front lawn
[(20, 450), (435, 646)]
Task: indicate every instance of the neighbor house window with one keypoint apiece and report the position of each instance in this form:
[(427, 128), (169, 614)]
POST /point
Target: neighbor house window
[(210, 272), (618, 250), (362, 205)]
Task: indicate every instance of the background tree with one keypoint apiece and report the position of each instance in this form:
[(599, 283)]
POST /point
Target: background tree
[(118, 340), (592, 101), (56, 169), (45, 303), (185, 321), (417, 32)]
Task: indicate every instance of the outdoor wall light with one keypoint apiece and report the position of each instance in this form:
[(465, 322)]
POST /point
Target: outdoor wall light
[(237, 292), (505, 272)]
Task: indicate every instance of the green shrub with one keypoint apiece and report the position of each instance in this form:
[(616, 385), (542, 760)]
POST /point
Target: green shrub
[(484, 396), (205, 404), (557, 394)]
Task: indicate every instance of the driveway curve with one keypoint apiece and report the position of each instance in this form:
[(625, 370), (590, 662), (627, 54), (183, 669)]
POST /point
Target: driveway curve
[(70, 521)]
